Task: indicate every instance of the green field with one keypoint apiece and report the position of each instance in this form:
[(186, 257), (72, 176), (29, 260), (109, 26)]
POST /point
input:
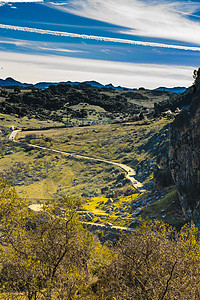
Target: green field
[(123, 142), (39, 175)]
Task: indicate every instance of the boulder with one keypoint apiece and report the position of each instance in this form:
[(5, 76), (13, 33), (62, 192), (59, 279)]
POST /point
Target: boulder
[(134, 223), (89, 217), (116, 200), (110, 201)]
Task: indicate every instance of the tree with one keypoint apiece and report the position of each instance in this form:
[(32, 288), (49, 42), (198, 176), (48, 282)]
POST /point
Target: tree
[(17, 89), (141, 116), (45, 253), (196, 74), (154, 263)]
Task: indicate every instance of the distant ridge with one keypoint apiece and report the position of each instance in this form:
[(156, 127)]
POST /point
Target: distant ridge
[(43, 85), (12, 82), (178, 89)]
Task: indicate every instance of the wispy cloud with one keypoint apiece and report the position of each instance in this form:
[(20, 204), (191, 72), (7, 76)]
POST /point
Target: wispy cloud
[(8, 2), (107, 51), (61, 50), (159, 19), (14, 42), (19, 1), (34, 68), (40, 46), (98, 38)]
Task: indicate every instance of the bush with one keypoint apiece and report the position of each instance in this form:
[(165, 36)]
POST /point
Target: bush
[(154, 263)]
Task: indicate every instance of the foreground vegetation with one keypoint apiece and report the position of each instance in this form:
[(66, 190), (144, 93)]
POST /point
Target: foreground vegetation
[(48, 255)]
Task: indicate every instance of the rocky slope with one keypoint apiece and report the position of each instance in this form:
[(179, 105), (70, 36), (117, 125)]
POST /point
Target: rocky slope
[(184, 155)]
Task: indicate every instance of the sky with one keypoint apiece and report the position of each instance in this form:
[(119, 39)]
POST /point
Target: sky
[(131, 43)]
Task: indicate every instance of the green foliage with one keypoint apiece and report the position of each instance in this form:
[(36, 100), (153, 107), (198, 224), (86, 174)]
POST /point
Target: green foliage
[(168, 209), (175, 100), (60, 102), (48, 255), (42, 175), (154, 263), (96, 205), (129, 143), (45, 254)]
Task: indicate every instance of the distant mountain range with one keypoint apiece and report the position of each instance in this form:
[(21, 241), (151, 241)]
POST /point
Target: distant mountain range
[(178, 89), (43, 85)]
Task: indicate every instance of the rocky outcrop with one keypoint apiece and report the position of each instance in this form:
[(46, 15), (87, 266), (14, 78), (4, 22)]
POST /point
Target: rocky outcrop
[(184, 156)]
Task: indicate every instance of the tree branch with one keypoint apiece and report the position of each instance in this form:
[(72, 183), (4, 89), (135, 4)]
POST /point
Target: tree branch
[(167, 284)]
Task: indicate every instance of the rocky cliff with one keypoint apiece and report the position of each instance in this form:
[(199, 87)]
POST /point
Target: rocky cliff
[(184, 155)]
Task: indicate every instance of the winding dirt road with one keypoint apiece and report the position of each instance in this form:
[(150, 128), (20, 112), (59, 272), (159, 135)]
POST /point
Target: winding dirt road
[(38, 207), (130, 173)]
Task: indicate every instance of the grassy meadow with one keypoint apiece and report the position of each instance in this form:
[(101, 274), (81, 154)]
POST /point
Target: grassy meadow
[(122, 142), (39, 175)]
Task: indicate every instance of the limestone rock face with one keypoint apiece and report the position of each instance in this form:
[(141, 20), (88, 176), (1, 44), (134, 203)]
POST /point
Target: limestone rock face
[(184, 156)]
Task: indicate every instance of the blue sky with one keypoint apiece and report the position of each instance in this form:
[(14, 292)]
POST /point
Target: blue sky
[(132, 43)]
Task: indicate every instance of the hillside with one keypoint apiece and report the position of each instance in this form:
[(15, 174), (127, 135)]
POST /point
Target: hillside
[(185, 155), (49, 254), (176, 101), (102, 123), (73, 219), (9, 81), (68, 103)]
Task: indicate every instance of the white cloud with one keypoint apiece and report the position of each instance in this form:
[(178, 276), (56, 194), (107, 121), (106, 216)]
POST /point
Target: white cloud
[(61, 50), (35, 45), (14, 42), (97, 38), (34, 68), (107, 51), (2, 2), (159, 19)]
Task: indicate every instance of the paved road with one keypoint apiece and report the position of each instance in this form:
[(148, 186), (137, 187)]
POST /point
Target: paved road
[(130, 172)]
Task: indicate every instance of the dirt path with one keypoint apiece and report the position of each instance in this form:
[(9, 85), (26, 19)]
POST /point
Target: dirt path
[(13, 135), (130, 172), (38, 207)]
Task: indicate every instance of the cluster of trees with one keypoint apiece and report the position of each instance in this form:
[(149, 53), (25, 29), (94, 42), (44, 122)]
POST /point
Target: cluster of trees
[(155, 263), (55, 101), (176, 100), (48, 255), (182, 100), (45, 255), (196, 74)]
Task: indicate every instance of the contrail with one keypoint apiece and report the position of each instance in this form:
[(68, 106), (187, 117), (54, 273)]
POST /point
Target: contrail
[(97, 38)]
